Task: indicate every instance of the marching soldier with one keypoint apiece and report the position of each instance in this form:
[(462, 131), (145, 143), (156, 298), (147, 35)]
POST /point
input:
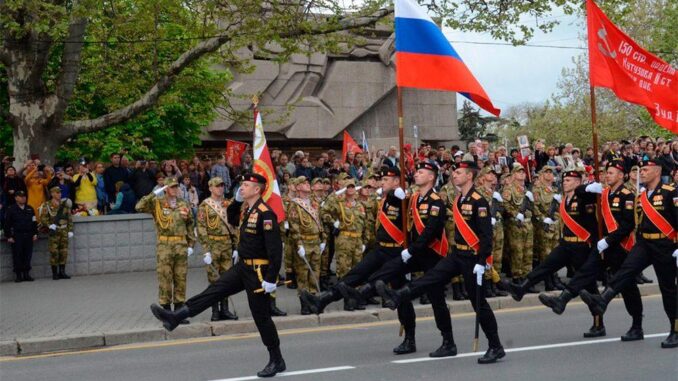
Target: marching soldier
[(255, 271), (517, 201), (617, 204), (448, 193), (174, 225), (289, 255), (326, 209), (306, 234), (55, 215), (369, 201), (216, 237), (580, 232), (657, 208), (471, 250), (545, 218)]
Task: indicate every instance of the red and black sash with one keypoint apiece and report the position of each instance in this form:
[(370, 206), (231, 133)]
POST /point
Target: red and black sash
[(396, 234), (578, 230), (611, 223), (438, 245), (657, 219)]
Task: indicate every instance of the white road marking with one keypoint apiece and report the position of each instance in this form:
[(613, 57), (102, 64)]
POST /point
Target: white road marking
[(295, 373), (524, 349)]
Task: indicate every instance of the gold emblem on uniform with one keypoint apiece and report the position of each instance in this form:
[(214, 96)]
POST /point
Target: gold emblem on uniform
[(268, 224), (482, 211), (435, 211)]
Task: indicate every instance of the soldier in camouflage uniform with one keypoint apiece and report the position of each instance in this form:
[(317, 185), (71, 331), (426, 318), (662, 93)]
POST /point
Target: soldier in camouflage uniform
[(55, 215), (318, 190), (216, 237), (545, 219), (632, 183), (518, 223), (307, 235), (371, 204), (289, 256), (326, 209), (174, 224)]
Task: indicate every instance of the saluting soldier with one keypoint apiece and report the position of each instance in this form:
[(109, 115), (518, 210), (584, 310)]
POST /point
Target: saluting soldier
[(657, 208), (470, 253), (216, 237), (326, 209), (617, 204), (175, 239), (518, 223), (545, 219), (580, 233), (289, 255), (369, 201), (55, 215), (255, 271), (318, 190)]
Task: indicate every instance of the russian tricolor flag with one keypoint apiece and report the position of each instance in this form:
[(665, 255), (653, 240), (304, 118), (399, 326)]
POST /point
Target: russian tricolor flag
[(426, 60)]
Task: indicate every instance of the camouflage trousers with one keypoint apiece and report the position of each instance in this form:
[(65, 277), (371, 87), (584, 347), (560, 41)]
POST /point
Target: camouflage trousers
[(305, 280), (325, 255), (348, 253), (289, 255), (544, 241), (521, 244), (57, 244), (172, 266), (222, 259), (497, 253)]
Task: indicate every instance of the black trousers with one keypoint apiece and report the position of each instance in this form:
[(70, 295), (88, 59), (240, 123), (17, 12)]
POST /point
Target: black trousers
[(22, 252), (613, 258), (643, 254), (241, 277), (394, 272), (370, 263), (454, 265)]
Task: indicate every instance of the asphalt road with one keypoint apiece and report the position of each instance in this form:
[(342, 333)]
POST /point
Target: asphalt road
[(540, 346)]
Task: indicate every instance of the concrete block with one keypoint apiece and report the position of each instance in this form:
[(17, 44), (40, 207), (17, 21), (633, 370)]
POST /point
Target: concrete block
[(649, 289), (122, 252), (385, 314), (136, 237), (137, 264), (460, 307), (95, 254), (221, 328), (190, 331), (9, 348), (122, 238), (345, 317), (81, 269), (109, 253), (55, 344), (136, 251), (96, 267), (296, 321), (136, 225), (121, 226), (110, 267), (124, 266), (108, 240), (423, 311), (134, 336), (95, 240)]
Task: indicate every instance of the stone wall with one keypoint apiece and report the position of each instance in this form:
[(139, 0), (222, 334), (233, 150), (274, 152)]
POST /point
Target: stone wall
[(101, 245)]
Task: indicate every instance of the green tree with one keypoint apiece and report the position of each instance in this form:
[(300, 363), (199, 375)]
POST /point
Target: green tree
[(471, 124)]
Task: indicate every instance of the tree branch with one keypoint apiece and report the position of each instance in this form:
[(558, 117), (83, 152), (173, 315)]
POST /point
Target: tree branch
[(150, 98), (70, 68)]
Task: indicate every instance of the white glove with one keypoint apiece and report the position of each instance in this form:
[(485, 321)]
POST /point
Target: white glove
[(479, 270), (340, 191), (642, 189), (238, 196), (497, 197), (557, 197), (159, 191), (594, 188), (549, 221), (405, 255), (400, 193), (70, 235), (530, 196), (322, 246), (189, 251), (380, 191), (207, 258), (268, 287), (235, 256), (494, 221), (52, 227), (359, 187), (336, 224), (675, 255), (362, 249), (302, 252), (286, 225), (520, 217), (602, 245)]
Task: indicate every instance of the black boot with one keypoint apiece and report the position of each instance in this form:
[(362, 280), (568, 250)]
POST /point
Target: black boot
[(276, 364), (557, 283), (597, 303), (447, 349), (19, 277), (304, 307), (275, 311), (423, 299), (350, 304), (55, 273), (492, 355), (645, 279), (292, 277), (317, 303), (225, 313), (639, 280), (488, 289), (456, 291), (27, 277), (216, 316), (392, 298), (556, 303), (169, 319), (62, 272), (464, 293), (518, 290), (633, 334), (407, 346), (497, 291), (597, 329), (548, 283), (372, 301), (177, 307)]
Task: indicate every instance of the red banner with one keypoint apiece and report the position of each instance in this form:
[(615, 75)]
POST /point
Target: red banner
[(635, 75), (234, 151), (349, 146), (263, 165)]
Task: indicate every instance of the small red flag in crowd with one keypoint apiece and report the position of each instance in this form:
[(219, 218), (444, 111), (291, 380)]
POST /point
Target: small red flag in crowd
[(349, 146), (234, 151), (635, 75)]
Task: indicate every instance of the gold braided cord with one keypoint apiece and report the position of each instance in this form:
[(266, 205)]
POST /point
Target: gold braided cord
[(214, 222), (344, 219), (302, 222), (163, 222)]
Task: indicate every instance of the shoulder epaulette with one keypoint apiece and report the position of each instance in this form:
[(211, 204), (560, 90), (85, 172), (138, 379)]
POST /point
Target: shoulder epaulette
[(434, 196), (625, 191), (476, 196), (263, 208), (668, 188)]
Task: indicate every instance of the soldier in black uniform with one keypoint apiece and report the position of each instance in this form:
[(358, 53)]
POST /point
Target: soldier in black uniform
[(617, 211), (21, 230), (657, 209), (468, 258), (256, 269), (580, 232), (388, 248)]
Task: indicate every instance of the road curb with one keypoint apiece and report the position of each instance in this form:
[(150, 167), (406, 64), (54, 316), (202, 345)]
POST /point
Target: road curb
[(40, 345)]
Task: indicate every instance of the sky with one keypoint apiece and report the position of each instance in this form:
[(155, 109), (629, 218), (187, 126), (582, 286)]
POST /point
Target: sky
[(514, 75)]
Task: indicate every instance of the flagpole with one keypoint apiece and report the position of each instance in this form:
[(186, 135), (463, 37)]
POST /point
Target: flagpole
[(596, 161), (401, 138)]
